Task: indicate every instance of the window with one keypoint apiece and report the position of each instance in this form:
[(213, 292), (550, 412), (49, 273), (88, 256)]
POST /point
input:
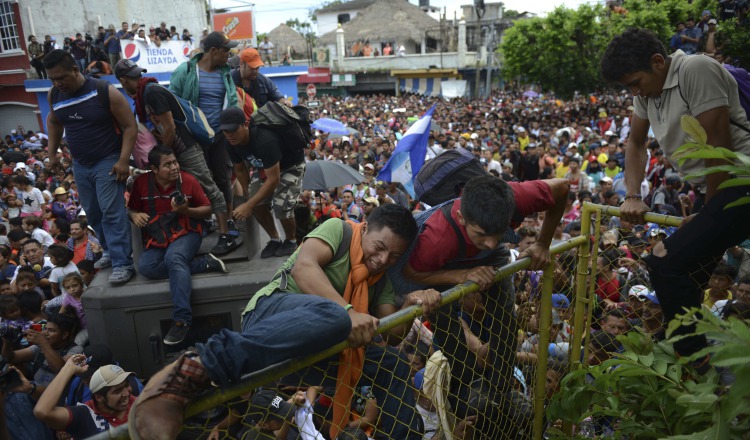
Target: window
[(8, 29), (343, 18)]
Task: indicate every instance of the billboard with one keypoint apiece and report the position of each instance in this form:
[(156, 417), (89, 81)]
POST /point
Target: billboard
[(235, 25), (163, 58)]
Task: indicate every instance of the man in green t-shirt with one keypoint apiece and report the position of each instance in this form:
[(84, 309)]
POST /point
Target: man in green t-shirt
[(279, 324)]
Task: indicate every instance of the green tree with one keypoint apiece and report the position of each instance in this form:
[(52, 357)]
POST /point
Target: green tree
[(559, 52)]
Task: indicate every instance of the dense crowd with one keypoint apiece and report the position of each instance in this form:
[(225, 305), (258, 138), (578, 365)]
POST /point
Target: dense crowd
[(543, 157)]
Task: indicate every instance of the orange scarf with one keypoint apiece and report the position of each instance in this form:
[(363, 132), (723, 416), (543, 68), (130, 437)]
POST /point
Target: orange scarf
[(351, 360)]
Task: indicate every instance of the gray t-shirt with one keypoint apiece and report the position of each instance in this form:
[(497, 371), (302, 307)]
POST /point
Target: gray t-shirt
[(705, 85)]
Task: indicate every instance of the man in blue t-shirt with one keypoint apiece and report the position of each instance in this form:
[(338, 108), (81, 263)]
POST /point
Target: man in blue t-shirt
[(205, 81)]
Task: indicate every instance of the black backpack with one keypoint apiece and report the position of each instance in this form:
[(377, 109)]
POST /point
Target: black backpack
[(292, 124), (442, 178)]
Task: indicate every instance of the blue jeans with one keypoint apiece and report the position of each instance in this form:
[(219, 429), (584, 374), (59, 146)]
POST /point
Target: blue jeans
[(103, 198), (176, 263), (282, 326)]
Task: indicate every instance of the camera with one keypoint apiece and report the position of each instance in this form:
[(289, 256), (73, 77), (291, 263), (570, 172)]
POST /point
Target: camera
[(13, 330), (88, 37), (179, 198)]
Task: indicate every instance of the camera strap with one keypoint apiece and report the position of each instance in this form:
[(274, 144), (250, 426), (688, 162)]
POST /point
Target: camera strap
[(152, 192)]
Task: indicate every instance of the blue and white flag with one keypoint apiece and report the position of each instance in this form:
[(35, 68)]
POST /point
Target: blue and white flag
[(409, 155)]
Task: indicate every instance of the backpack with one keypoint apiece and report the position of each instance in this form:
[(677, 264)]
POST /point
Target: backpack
[(102, 92), (742, 77), (292, 124), (442, 178), (193, 119)]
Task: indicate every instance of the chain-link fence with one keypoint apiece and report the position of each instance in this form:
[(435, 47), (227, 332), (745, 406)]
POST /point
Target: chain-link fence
[(484, 366)]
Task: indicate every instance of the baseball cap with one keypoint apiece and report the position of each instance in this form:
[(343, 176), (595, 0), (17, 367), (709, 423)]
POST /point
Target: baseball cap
[(128, 68), (218, 39), (251, 57), (560, 301), (651, 297), (521, 130), (268, 401), (638, 290), (606, 179), (370, 166), (60, 191), (20, 166), (712, 21), (474, 136), (231, 118), (14, 131), (108, 376), (372, 200)]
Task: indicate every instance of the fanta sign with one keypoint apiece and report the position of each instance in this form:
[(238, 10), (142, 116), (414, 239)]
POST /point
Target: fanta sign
[(163, 58), (235, 25)]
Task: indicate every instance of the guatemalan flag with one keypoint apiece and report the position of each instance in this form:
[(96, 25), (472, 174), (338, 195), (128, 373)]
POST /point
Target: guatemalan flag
[(409, 155)]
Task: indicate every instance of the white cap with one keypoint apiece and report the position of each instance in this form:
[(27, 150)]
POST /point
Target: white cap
[(108, 376), (572, 144), (521, 130), (345, 139), (20, 166), (638, 290), (13, 131), (608, 133)]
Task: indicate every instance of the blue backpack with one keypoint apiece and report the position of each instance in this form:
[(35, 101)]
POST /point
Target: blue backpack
[(193, 119)]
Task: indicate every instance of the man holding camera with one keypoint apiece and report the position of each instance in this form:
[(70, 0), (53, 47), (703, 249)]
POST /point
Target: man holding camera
[(169, 206)]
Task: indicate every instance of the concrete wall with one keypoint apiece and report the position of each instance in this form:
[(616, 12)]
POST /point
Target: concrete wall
[(329, 21), (65, 18), (414, 61)]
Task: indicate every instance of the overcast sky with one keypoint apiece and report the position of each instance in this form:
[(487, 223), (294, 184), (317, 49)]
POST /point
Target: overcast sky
[(271, 13)]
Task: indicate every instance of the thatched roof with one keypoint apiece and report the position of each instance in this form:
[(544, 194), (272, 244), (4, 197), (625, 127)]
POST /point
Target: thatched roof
[(388, 20), (282, 36)]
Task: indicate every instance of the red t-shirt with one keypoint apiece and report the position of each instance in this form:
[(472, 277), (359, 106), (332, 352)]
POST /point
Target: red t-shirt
[(163, 202), (608, 289), (438, 244)]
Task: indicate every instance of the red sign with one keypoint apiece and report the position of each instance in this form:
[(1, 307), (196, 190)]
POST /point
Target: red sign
[(311, 91), (235, 25), (315, 75)]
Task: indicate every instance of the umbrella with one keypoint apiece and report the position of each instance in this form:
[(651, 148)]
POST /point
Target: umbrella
[(530, 94), (323, 174), (349, 131), (328, 125)]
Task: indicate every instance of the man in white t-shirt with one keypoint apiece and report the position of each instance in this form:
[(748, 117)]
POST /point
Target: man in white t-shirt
[(266, 50)]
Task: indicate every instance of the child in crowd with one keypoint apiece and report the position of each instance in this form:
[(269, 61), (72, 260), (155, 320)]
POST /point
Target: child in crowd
[(32, 199), (5, 288), (14, 210), (60, 256), (87, 271), (33, 226), (26, 280), (72, 301)]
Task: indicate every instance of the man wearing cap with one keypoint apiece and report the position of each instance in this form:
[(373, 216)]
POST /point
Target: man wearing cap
[(267, 413), (711, 41), (523, 138), (205, 81), (156, 103), (100, 140), (283, 165), (368, 205), (108, 408), (254, 83)]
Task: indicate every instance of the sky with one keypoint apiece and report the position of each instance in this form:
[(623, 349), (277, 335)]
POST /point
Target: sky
[(271, 13)]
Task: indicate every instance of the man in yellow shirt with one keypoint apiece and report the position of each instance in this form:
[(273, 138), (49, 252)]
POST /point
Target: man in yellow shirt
[(719, 285), (563, 167), (523, 138)]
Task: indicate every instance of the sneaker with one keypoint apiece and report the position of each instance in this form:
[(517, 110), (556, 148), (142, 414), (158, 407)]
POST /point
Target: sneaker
[(225, 245), (176, 333), (214, 264), (159, 411), (270, 249), (103, 262), (286, 249), (232, 229), (121, 275)]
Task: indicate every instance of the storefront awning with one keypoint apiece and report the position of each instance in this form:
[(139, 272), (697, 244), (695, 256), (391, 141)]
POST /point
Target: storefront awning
[(421, 86)]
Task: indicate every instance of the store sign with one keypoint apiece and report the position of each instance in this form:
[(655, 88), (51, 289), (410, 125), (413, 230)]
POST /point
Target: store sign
[(343, 79), (163, 58), (235, 25)]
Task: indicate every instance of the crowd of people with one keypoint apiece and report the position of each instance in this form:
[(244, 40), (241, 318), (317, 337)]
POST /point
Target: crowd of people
[(97, 54), (543, 156)]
